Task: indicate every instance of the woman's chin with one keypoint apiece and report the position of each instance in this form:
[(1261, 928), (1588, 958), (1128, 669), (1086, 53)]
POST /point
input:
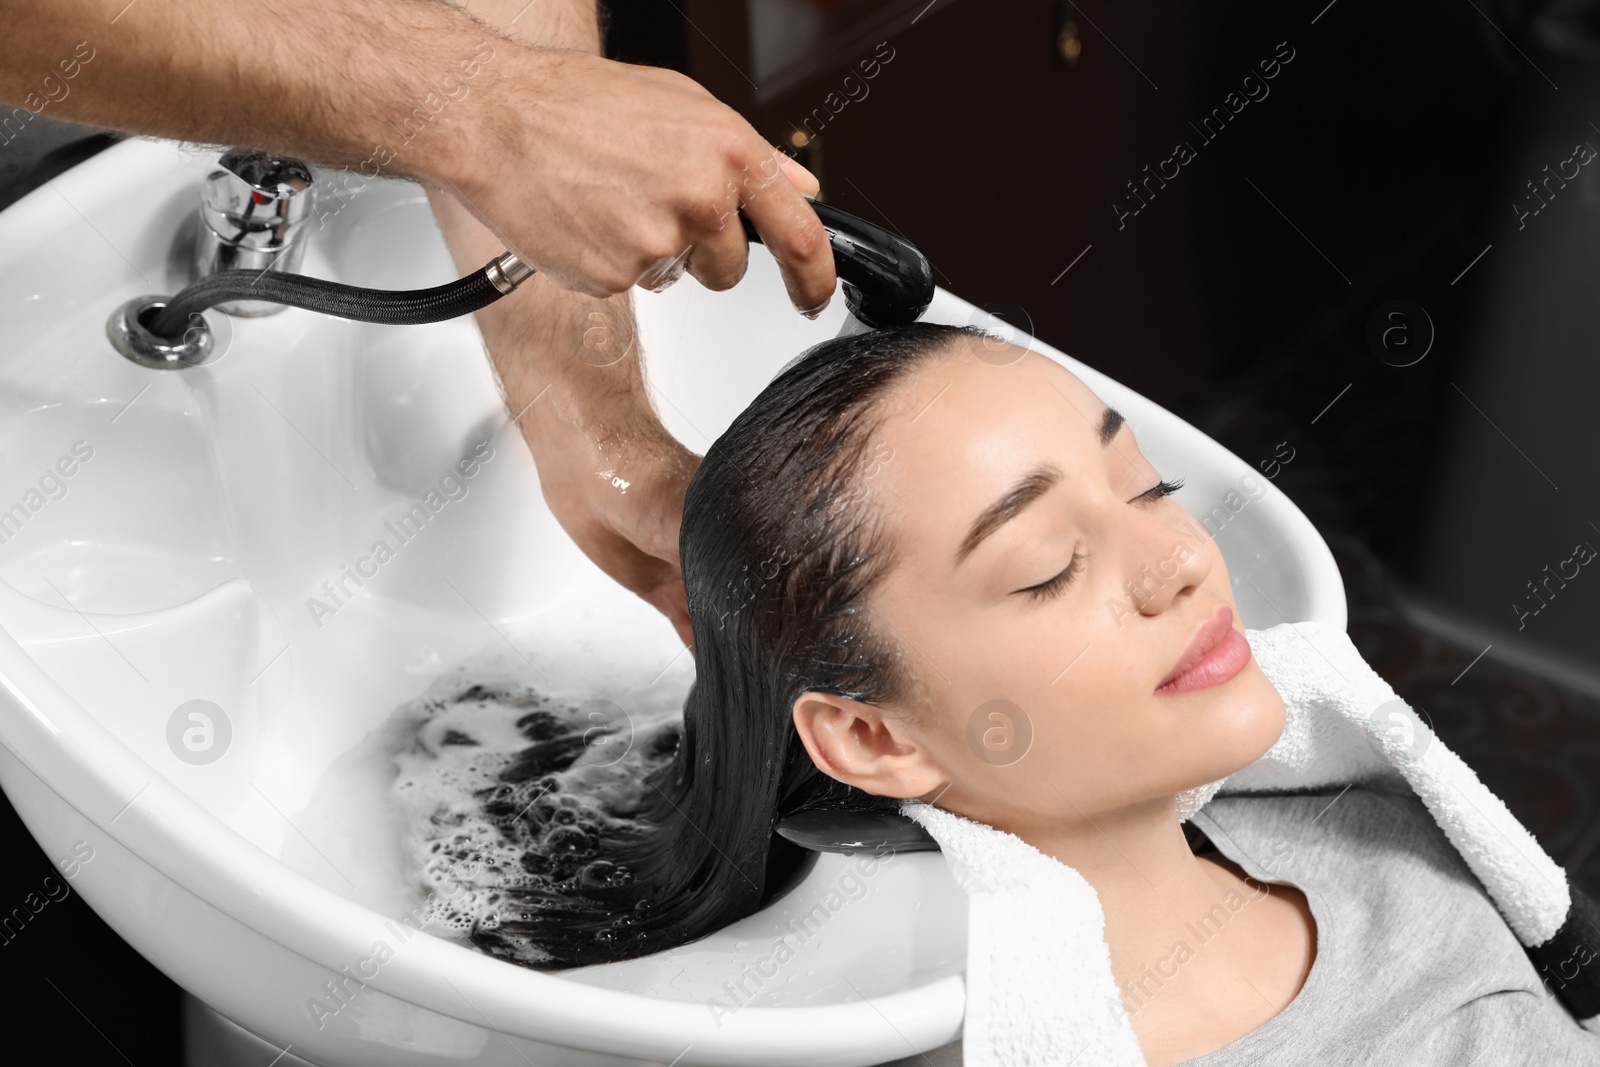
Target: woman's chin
[(1245, 720)]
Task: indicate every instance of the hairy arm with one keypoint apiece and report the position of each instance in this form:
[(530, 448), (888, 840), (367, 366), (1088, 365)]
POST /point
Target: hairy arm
[(571, 367), (321, 82), (596, 173)]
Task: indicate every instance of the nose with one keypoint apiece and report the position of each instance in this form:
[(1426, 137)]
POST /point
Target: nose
[(1162, 559)]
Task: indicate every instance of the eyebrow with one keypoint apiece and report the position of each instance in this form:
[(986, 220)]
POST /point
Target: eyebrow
[(1030, 487)]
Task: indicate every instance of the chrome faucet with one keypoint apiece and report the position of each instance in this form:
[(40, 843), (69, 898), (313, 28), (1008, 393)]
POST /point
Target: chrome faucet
[(253, 210)]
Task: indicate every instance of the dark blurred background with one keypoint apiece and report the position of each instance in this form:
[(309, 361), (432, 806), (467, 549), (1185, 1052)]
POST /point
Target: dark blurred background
[(1378, 255)]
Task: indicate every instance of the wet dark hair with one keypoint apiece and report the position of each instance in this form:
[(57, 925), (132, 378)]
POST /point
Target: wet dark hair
[(778, 559)]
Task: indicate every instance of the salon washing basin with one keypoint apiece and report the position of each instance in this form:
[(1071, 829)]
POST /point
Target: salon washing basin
[(186, 663)]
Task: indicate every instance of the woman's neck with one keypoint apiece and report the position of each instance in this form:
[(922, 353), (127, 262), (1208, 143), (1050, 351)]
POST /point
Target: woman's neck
[(1201, 953), (1148, 879)]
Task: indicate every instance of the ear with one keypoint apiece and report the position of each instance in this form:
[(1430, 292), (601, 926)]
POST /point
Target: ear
[(860, 746)]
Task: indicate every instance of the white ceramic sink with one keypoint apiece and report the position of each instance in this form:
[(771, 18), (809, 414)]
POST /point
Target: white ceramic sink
[(205, 507)]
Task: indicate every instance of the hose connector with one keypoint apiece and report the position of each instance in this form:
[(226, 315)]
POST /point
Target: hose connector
[(505, 272)]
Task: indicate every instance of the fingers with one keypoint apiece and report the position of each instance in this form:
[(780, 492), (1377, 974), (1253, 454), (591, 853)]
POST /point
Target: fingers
[(720, 261), (664, 272), (798, 176), (667, 596), (677, 609), (790, 229), (720, 258), (717, 253)]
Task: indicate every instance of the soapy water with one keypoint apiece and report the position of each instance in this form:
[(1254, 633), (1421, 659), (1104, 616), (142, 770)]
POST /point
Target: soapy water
[(510, 793)]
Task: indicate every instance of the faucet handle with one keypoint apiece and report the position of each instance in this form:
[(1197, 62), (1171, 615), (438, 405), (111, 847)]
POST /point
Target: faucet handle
[(267, 173)]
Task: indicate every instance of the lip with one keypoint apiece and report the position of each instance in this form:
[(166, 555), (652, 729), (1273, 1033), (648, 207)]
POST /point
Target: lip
[(1216, 653)]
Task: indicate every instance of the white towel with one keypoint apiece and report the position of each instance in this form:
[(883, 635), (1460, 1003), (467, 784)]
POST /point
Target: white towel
[(1039, 983)]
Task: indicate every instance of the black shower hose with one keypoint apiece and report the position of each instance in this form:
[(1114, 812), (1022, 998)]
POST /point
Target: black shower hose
[(397, 307), (886, 281)]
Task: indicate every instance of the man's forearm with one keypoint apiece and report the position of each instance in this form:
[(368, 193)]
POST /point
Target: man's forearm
[(566, 361), (328, 82), (542, 23), (573, 373)]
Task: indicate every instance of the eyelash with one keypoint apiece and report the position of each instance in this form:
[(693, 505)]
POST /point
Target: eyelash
[(1054, 586)]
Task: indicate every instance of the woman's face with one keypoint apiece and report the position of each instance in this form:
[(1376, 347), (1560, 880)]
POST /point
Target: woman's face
[(1039, 703)]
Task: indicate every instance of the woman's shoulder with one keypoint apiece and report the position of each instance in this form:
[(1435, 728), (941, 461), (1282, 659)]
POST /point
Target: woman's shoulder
[(1377, 816), (1332, 822), (1337, 805)]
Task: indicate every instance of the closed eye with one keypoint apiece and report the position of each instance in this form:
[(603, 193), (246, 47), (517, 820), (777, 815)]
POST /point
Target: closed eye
[(1046, 589), (1055, 586), (1161, 489)]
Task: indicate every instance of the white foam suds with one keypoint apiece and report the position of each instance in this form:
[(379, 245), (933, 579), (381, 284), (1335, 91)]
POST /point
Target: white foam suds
[(490, 829), (453, 797)]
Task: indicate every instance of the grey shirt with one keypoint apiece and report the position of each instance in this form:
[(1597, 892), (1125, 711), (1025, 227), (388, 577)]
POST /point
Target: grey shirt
[(1414, 965)]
